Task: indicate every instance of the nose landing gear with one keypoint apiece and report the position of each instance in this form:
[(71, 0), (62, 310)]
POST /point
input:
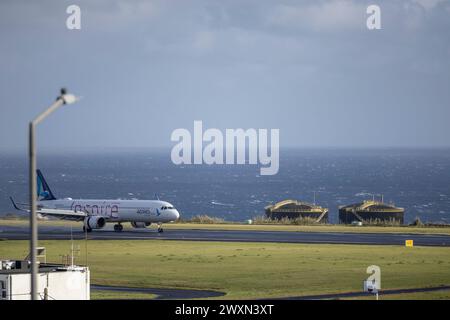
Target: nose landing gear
[(118, 227), (160, 229)]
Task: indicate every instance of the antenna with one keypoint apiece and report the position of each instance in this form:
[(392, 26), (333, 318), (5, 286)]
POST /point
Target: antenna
[(86, 257), (72, 249), (86, 246)]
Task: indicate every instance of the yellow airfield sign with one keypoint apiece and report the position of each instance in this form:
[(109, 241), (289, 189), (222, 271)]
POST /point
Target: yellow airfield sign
[(409, 243)]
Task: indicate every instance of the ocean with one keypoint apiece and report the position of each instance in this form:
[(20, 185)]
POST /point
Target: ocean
[(415, 179)]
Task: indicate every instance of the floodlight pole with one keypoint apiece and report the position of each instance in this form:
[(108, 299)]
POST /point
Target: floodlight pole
[(64, 98)]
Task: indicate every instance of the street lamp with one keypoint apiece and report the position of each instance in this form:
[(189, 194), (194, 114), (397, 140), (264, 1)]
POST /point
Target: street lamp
[(63, 98)]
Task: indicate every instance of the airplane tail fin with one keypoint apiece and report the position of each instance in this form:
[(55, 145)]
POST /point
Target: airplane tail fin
[(43, 190)]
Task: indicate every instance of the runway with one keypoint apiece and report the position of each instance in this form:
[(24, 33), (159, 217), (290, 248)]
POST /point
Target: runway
[(163, 293), (200, 294), (364, 294), (59, 233)]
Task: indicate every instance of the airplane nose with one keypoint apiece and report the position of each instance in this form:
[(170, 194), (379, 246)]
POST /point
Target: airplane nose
[(176, 214)]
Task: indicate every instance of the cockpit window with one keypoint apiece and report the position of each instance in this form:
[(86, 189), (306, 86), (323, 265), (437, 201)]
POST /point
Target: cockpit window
[(166, 208)]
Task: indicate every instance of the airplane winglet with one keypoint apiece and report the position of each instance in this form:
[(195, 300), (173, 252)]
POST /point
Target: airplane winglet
[(15, 205)]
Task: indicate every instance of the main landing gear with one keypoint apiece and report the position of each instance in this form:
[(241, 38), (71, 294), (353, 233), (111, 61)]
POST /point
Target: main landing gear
[(118, 227)]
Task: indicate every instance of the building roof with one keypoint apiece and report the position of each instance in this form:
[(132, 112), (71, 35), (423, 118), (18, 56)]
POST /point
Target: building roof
[(370, 206), (295, 205), (23, 266)]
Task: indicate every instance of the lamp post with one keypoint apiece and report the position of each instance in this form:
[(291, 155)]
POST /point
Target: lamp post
[(63, 98)]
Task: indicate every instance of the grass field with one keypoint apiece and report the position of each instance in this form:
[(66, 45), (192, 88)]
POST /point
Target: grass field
[(251, 270), (263, 227), (109, 295)]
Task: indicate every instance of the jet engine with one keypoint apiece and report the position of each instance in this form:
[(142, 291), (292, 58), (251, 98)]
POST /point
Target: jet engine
[(94, 222), (140, 224)]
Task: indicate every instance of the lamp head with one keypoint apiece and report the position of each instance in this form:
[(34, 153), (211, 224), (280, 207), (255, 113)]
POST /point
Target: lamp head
[(67, 97)]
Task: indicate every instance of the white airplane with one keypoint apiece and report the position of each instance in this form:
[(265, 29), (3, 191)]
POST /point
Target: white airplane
[(96, 213)]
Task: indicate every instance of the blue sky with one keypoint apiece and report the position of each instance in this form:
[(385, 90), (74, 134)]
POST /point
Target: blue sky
[(310, 68)]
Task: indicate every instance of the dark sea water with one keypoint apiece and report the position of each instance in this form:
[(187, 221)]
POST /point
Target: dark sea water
[(418, 180)]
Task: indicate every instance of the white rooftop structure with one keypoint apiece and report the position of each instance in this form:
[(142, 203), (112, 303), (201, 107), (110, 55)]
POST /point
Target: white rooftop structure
[(55, 281)]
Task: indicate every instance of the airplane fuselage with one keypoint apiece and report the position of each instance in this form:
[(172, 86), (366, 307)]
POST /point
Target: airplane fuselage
[(148, 211)]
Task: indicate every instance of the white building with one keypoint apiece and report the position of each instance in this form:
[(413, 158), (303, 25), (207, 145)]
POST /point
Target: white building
[(55, 281)]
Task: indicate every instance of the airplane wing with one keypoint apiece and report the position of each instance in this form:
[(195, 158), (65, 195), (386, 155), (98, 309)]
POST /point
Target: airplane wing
[(57, 213), (62, 214)]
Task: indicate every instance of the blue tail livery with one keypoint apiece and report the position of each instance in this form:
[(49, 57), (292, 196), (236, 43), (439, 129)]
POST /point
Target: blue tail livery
[(43, 190)]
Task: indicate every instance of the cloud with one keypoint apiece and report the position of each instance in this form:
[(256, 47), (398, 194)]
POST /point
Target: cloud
[(221, 58), (429, 4), (204, 41), (333, 15)]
